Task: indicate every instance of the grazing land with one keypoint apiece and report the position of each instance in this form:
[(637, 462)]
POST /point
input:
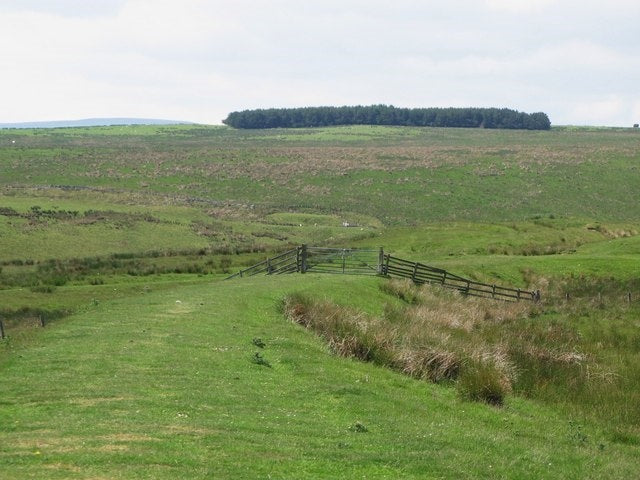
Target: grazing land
[(117, 240)]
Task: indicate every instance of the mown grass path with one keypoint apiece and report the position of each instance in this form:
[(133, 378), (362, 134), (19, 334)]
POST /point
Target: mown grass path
[(161, 385)]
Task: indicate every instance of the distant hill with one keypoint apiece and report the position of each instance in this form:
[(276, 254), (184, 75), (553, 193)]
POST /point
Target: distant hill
[(93, 122)]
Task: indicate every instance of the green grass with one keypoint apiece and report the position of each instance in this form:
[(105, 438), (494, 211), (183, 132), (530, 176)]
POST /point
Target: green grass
[(559, 351), (398, 175), (163, 385), (152, 371), (91, 228)]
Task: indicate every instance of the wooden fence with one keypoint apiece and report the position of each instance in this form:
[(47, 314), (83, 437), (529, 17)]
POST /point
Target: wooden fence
[(348, 261), (355, 261), (287, 262), (420, 273), (27, 322)]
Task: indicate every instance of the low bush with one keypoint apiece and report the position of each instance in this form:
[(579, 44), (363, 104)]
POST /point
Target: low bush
[(484, 381)]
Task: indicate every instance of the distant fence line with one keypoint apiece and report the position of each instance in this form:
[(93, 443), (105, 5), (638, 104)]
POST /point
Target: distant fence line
[(39, 321), (352, 261)]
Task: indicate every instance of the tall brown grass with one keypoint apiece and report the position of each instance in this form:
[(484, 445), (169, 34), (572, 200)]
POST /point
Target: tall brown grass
[(487, 348)]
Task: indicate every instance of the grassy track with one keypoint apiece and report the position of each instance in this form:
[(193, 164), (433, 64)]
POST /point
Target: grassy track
[(163, 386)]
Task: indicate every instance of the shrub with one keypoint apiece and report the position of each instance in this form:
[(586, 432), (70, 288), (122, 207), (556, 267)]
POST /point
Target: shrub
[(483, 381), (348, 332), (225, 264)]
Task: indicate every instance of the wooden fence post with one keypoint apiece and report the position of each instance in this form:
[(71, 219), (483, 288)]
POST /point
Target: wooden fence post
[(1, 330), (344, 259), (629, 297), (415, 270), (381, 261), (41, 321), (303, 258)]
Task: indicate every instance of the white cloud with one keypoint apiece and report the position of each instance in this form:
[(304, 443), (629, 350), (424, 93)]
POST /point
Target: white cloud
[(198, 59), (601, 111), (520, 6), (64, 8)]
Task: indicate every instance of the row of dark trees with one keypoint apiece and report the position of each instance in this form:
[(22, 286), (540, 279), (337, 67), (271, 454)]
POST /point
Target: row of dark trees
[(388, 115)]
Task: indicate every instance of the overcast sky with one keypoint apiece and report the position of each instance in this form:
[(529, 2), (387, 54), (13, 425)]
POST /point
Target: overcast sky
[(197, 60)]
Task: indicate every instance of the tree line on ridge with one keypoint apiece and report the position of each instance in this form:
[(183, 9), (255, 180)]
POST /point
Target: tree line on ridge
[(388, 115)]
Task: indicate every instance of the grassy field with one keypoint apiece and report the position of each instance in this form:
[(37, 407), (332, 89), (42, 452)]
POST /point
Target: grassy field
[(152, 192), (150, 366), (166, 385), (429, 174)]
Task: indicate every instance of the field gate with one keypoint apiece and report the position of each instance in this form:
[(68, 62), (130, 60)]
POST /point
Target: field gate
[(302, 259)]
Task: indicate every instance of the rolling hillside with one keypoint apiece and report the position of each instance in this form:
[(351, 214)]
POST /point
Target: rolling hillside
[(150, 366)]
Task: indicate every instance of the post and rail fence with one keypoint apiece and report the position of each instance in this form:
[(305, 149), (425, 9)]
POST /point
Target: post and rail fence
[(420, 273), (354, 261)]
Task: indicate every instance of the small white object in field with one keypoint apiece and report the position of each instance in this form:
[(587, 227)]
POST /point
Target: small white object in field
[(178, 301)]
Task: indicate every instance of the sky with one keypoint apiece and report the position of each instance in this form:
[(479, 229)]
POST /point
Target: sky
[(197, 60)]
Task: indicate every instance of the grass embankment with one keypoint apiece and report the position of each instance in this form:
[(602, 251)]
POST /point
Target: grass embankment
[(560, 351), (164, 385), (60, 225)]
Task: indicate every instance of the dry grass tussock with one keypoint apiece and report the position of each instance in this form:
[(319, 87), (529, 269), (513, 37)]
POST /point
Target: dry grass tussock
[(450, 309), (487, 348)]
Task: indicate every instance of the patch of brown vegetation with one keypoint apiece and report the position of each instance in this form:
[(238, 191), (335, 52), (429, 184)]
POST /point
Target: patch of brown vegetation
[(441, 335)]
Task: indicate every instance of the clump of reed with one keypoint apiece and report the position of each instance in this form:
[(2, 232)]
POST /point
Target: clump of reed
[(488, 349)]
